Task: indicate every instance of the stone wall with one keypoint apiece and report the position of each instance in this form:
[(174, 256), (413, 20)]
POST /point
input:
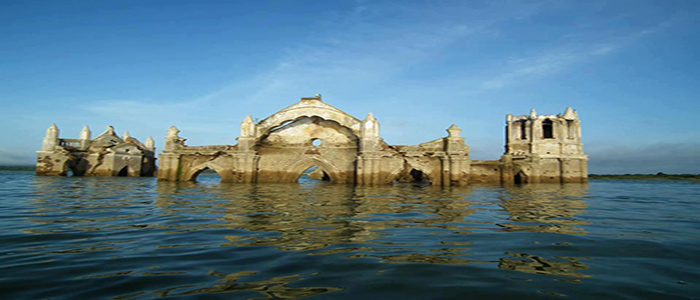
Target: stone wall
[(312, 133), (106, 155)]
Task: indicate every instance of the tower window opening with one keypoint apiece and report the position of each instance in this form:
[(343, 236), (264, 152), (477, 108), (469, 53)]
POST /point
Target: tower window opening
[(571, 130), (547, 129), (523, 130), (316, 142)]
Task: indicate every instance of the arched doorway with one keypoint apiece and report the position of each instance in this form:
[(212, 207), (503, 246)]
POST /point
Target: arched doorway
[(206, 175), (123, 172), (76, 167), (413, 176), (314, 173), (520, 178)]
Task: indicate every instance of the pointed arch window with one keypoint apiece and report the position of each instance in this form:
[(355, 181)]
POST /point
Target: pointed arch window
[(571, 129), (523, 130), (547, 129)]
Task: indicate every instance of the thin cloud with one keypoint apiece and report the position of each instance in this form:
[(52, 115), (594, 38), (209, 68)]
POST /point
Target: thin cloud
[(361, 49), (556, 61)]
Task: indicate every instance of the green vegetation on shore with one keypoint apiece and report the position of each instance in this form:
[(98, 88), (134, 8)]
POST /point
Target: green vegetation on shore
[(657, 176)]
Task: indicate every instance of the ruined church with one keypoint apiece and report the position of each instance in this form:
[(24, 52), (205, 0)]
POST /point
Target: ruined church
[(311, 134), (106, 155)]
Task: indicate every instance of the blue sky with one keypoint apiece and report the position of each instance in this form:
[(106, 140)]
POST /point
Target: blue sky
[(630, 69)]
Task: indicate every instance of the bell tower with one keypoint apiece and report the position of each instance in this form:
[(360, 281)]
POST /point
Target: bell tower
[(545, 148)]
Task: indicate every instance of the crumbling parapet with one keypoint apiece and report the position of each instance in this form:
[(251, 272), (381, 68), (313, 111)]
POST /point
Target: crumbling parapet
[(105, 155)]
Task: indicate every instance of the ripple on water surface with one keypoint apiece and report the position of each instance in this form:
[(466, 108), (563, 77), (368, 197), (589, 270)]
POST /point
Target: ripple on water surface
[(136, 238)]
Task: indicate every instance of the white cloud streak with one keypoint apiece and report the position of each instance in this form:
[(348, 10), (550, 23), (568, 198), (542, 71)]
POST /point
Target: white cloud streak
[(558, 60)]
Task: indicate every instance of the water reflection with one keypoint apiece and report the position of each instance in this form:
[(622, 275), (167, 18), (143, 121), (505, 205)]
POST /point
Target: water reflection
[(315, 216), (308, 216), (564, 266), (181, 224), (274, 288), (550, 208)]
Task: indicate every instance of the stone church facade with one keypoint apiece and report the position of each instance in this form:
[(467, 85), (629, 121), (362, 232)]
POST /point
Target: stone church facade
[(344, 149), (106, 155)]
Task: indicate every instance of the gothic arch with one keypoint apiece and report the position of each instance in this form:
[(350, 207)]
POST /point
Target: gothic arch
[(123, 172), (192, 173), (520, 177), (294, 114), (76, 165), (347, 131), (293, 171), (418, 167)]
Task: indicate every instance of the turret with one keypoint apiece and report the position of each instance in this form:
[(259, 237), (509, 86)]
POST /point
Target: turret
[(246, 142), (150, 144), (51, 138), (85, 134), (248, 127), (109, 131), (455, 143), (369, 134), (84, 137), (173, 140)]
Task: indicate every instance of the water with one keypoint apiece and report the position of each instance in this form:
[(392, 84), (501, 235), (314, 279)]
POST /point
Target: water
[(136, 238)]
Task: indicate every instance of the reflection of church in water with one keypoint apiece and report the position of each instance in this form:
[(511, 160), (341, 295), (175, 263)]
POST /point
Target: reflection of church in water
[(324, 218)]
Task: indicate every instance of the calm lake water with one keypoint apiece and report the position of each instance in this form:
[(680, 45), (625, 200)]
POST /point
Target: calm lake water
[(136, 238)]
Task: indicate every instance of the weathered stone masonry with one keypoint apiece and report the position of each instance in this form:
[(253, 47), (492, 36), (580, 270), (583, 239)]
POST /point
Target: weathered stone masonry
[(544, 148), (105, 155)]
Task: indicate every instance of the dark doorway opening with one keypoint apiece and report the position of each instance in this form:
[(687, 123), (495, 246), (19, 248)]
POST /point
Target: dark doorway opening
[(520, 178), (123, 172), (413, 176), (76, 167)]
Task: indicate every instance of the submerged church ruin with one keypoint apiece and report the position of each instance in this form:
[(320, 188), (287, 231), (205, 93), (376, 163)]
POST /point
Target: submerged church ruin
[(344, 149), (106, 155)]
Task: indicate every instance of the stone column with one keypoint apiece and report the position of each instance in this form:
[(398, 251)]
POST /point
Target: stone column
[(457, 160), (369, 135), (51, 139), (246, 141), (170, 168), (150, 144), (366, 170), (247, 167), (173, 141), (84, 137)]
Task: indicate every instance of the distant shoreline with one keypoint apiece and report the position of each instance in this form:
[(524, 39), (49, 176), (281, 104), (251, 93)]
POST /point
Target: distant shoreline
[(17, 168), (658, 176)]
